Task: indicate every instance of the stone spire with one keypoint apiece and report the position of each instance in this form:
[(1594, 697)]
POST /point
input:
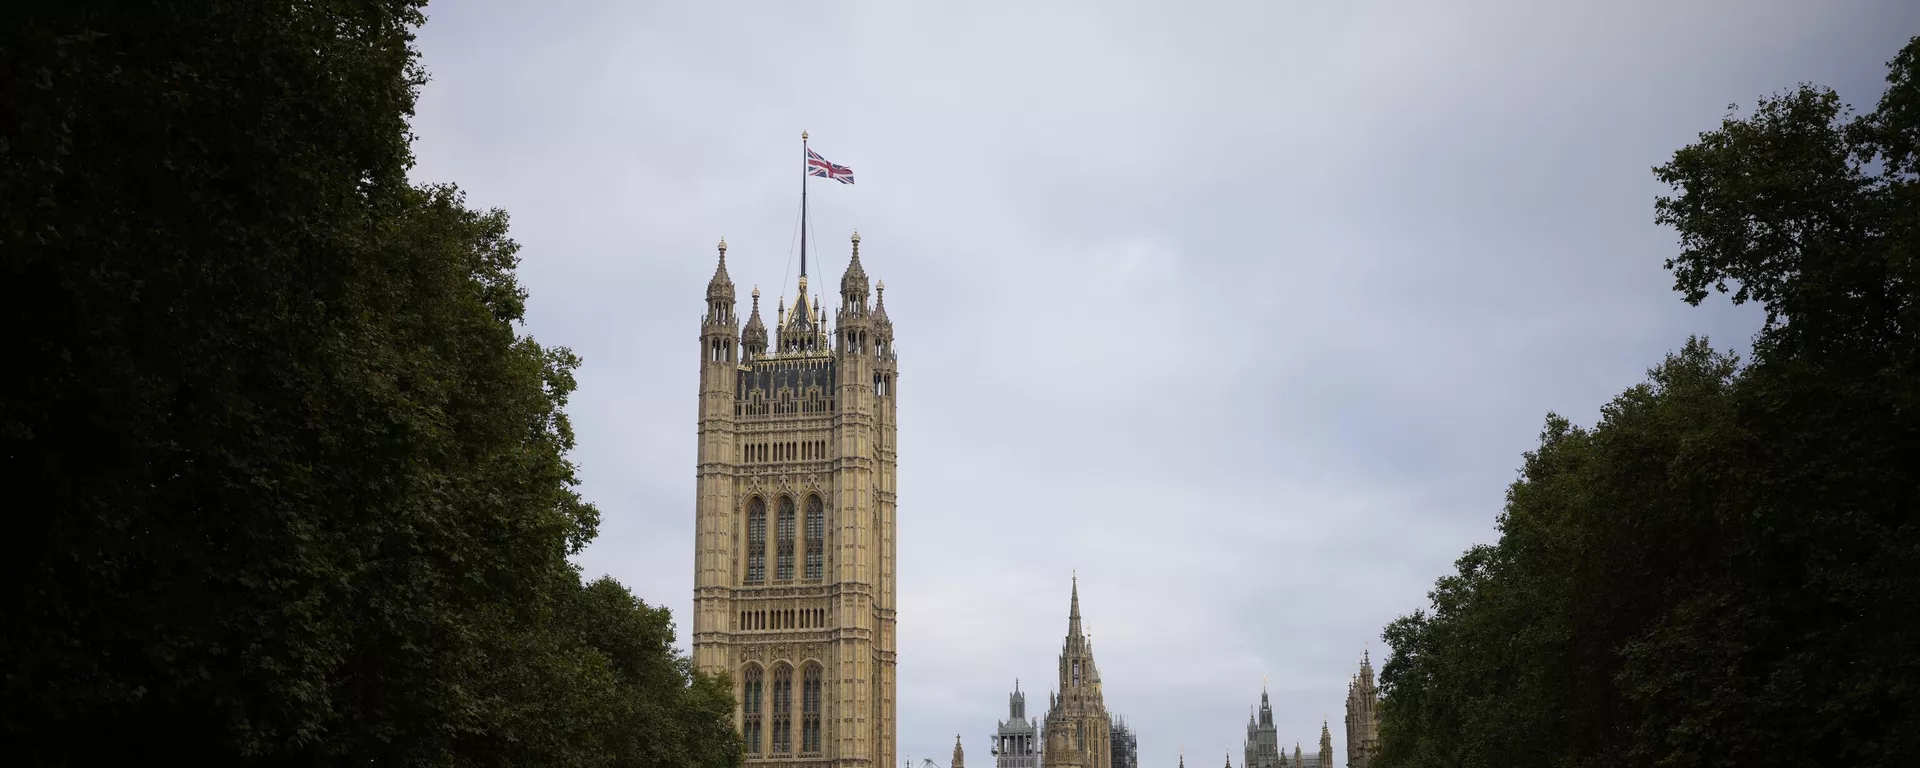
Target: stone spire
[(1073, 612), (853, 284), (1363, 720), (1326, 745), (720, 288), (959, 758), (1080, 705), (754, 338)]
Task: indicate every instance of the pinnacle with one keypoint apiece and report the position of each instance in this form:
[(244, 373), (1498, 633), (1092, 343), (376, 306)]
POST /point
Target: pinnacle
[(1073, 613)]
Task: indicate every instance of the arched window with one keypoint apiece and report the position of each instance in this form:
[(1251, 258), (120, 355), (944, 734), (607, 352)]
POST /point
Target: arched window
[(757, 541), (1076, 673), (784, 530), (816, 539), (810, 710), (782, 710), (751, 683)]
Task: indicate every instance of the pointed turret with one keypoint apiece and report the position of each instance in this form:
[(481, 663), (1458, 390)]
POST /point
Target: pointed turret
[(720, 288), (1080, 702), (1363, 721), (959, 757), (719, 327), (853, 284), (1326, 745), (804, 329), (754, 338), (1073, 610)]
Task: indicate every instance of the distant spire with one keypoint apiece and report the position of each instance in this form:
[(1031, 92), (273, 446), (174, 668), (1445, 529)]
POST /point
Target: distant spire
[(1073, 613)]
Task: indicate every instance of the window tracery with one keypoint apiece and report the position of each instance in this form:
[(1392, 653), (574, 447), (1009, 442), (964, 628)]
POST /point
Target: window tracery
[(783, 565), (816, 539), (757, 541), (782, 710), (810, 710), (750, 688)]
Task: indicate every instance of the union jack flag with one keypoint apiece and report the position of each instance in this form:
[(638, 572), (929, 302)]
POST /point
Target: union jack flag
[(818, 166)]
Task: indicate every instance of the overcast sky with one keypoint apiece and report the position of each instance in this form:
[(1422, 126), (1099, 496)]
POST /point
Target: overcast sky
[(1244, 311)]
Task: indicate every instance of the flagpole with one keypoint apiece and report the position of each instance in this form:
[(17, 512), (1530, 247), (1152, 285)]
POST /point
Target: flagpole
[(804, 160)]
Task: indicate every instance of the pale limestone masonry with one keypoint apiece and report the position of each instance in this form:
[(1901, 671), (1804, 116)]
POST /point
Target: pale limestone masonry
[(1078, 729), (794, 553), (1363, 717)]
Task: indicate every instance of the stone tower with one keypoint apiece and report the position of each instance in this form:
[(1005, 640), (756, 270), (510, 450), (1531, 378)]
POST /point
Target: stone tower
[(959, 756), (1363, 717), (1262, 746), (1079, 706), (1017, 740), (1065, 747), (1326, 745), (794, 558)]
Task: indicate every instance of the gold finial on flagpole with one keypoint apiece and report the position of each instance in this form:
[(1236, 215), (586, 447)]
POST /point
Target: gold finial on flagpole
[(803, 135)]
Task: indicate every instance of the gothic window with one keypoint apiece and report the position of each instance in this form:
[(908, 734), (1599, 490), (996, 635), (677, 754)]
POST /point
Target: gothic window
[(783, 564), (816, 539), (810, 711), (782, 710), (757, 541), (750, 685)]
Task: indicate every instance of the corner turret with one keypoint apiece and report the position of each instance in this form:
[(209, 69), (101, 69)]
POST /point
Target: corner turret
[(753, 341)]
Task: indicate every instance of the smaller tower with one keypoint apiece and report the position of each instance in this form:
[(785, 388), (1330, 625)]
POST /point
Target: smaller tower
[(959, 756), (714, 496), (753, 340), (1326, 745), (1363, 720), (1017, 740)]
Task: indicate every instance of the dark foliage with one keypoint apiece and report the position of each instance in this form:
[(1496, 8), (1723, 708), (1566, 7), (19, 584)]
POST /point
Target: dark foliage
[(1726, 569), (285, 484)]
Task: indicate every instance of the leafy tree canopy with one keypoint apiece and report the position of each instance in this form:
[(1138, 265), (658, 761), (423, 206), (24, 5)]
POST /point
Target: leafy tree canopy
[(289, 486), (1723, 570)]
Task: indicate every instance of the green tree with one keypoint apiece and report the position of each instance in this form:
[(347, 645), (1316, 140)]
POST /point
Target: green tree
[(290, 488), (1724, 569)]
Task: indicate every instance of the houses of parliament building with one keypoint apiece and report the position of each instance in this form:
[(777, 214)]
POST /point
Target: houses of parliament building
[(794, 552)]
